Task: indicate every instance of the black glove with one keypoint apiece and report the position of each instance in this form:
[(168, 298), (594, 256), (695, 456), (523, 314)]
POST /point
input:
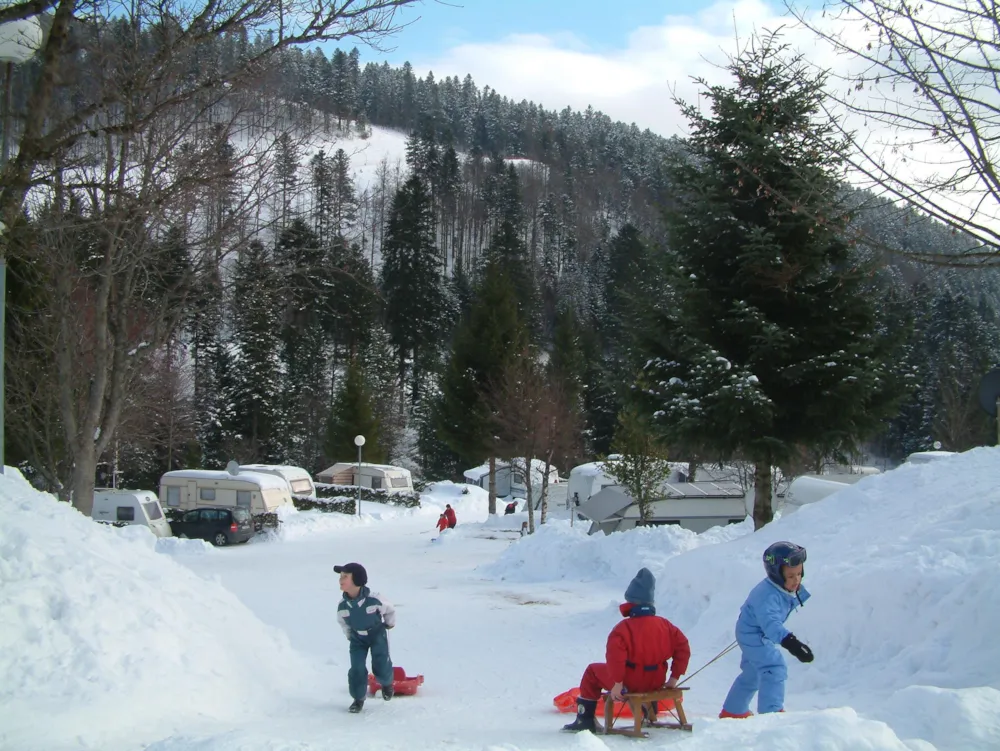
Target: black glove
[(801, 652)]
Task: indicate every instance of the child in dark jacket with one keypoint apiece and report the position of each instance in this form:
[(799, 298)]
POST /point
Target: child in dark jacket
[(760, 630), (638, 651), (364, 616)]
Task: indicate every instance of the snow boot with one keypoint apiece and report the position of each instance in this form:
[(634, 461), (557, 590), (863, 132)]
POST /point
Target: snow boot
[(356, 706), (388, 691), (585, 709), (723, 715)]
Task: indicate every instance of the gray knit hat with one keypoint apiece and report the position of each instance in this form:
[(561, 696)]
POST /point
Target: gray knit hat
[(641, 588)]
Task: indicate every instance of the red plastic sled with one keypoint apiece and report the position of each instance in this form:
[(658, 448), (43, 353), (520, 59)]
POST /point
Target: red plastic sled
[(403, 684), (566, 703)]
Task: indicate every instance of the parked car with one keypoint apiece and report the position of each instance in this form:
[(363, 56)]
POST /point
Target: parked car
[(124, 507), (220, 526)]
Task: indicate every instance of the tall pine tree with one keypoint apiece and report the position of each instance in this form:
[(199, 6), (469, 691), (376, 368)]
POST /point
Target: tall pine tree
[(771, 346), (416, 307), (353, 414), (492, 333)]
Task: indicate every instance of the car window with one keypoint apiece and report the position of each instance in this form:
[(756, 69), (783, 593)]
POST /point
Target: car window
[(192, 517), (209, 515), (241, 514), (153, 510), (126, 514)]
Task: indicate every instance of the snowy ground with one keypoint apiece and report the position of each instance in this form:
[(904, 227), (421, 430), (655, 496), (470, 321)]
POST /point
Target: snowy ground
[(110, 640)]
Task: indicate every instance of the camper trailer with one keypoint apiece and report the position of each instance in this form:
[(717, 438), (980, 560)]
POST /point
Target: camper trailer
[(125, 507), (588, 479), (375, 476), (187, 489), (510, 477), (299, 481), (697, 506)]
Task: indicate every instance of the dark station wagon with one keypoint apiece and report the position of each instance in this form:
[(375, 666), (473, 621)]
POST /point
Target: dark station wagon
[(220, 526)]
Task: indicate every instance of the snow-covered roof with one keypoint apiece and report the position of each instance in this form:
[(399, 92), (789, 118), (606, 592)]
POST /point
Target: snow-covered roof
[(264, 481), (339, 466), (537, 469), (287, 469), (590, 469)]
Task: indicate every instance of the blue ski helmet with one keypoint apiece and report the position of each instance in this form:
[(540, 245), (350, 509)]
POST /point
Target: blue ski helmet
[(782, 554)]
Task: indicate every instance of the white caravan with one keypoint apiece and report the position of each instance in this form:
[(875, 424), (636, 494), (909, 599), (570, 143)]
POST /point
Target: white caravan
[(299, 481), (123, 507), (697, 506), (375, 476), (188, 489), (510, 478)]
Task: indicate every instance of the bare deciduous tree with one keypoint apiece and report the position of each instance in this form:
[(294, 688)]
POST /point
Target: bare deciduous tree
[(137, 124), (531, 418), (922, 87)]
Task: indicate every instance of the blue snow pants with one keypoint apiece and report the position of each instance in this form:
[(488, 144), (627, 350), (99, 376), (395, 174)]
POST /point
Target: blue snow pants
[(762, 671), (376, 640)]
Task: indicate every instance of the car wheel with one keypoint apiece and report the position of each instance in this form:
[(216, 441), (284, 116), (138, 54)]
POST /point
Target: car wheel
[(220, 539)]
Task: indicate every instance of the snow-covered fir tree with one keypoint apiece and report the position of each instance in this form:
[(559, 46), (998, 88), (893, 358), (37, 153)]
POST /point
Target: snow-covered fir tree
[(772, 346)]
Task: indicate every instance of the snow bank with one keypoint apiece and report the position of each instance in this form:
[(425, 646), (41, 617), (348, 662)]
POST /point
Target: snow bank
[(93, 622), (471, 503), (904, 569), (559, 551)]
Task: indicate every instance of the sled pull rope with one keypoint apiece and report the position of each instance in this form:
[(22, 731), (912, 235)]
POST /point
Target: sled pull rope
[(719, 656)]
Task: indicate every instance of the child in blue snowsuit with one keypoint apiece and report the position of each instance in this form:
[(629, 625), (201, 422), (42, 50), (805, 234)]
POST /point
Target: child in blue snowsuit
[(760, 630), (364, 616)]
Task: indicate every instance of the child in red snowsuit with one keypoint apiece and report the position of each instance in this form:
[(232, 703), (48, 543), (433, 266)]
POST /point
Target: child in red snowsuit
[(442, 524), (637, 654)]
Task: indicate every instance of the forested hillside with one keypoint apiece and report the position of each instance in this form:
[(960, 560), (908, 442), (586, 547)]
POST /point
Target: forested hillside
[(480, 296)]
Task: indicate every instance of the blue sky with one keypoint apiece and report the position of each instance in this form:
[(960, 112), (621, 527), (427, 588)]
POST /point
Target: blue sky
[(594, 23), (629, 59)]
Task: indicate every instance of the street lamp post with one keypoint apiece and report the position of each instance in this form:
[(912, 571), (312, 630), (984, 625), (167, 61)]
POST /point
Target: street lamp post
[(18, 42), (359, 441)]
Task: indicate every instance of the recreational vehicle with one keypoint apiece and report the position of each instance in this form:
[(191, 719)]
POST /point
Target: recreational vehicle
[(375, 476), (125, 507), (299, 481), (510, 478), (587, 479), (187, 489), (697, 506)]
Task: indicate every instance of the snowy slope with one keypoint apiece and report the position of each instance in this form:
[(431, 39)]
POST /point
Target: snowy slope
[(101, 633), (903, 568)]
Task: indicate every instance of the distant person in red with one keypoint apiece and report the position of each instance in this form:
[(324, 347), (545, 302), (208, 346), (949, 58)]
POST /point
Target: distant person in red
[(442, 524), (638, 651), (450, 513)]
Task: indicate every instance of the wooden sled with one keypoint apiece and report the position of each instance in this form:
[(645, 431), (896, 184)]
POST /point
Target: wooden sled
[(641, 705)]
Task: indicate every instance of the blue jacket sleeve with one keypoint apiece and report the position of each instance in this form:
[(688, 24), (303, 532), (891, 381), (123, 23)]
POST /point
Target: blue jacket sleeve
[(771, 617)]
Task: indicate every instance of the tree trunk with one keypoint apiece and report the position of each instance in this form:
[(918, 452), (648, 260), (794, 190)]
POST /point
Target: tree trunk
[(529, 499), (762, 511), (545, 489), (82, 482), (493, 486), (692, 469)]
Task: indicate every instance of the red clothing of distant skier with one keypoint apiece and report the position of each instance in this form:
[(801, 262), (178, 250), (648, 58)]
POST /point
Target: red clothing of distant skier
[(637, 654), (452, 519)]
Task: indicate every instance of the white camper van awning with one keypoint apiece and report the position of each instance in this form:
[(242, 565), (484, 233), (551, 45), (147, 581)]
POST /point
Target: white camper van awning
[(606, 503)]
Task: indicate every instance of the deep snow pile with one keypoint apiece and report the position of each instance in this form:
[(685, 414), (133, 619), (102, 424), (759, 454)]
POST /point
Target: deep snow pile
[(904, 569), (94, 621)]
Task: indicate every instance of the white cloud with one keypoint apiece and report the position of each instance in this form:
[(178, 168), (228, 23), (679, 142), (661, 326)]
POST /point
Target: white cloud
[(634, 84)]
